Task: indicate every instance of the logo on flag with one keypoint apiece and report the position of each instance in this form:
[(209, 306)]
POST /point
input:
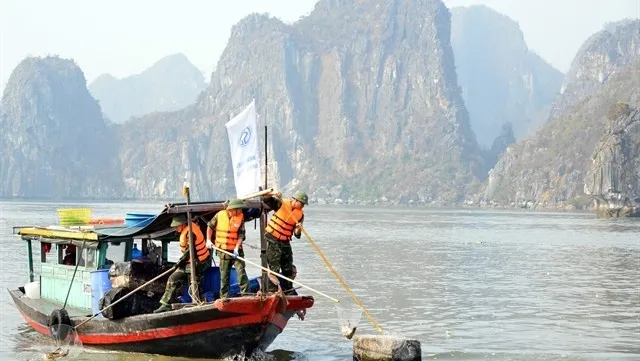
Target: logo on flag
[(243, 143), (245, 137)]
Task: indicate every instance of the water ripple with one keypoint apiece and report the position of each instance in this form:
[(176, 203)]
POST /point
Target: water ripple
[(470, 285)]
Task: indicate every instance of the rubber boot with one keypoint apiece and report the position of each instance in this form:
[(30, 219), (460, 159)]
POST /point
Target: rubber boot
[(162, 308)]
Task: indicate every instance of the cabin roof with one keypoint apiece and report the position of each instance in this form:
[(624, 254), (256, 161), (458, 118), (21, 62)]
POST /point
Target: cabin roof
[(159, 227)]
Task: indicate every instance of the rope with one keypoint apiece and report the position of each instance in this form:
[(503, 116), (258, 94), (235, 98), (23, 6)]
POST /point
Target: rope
[(335, 273), (277, 274), (194, 297), (355, 299), (193, 284), (166, 272)]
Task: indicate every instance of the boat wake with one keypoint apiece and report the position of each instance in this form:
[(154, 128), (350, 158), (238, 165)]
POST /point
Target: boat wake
[(64, 343)]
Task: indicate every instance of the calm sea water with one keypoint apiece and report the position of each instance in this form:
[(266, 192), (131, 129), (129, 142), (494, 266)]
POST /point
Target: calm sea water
[(469, 284)]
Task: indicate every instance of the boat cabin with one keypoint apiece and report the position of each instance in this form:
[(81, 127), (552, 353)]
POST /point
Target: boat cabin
[(114, 255)]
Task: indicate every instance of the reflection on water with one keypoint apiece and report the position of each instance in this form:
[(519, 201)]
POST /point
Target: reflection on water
[(470, 285)]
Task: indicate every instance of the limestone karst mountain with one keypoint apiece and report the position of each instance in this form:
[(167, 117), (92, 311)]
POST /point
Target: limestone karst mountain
[(169, 84), (54, 141), (359, 97), (614, 176), (549, 169), (501, 79)]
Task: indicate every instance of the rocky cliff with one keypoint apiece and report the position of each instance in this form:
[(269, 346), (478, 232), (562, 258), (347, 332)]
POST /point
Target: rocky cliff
[(170, 84), (360, 98), (501, 79), (54, 141), (614, 177), (548, 170), (601, 57), (501, 143)]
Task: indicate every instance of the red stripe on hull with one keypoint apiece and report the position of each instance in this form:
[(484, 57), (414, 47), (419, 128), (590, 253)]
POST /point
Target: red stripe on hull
[(106, 339), (279, 320), (101, 339), (35, 325)]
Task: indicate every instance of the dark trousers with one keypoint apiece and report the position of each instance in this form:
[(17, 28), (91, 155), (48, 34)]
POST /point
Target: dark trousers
[(226, 262), (179, 277), (280, 259)]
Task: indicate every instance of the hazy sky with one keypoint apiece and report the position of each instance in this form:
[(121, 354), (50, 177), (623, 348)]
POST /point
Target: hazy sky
[(125, 37)]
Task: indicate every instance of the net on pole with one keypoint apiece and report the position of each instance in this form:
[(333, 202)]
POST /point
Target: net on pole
[(348, 319)]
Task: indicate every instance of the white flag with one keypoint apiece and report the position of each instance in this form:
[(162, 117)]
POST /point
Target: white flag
[(243, 139)]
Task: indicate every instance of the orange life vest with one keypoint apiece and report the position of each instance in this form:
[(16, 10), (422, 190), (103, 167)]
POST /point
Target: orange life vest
[(227, 230), (283, 221), (201, 247)]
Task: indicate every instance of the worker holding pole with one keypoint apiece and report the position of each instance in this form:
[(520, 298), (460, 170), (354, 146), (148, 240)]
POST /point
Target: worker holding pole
[(285, 223)]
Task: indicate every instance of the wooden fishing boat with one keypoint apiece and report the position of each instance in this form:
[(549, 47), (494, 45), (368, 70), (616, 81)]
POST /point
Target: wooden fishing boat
[(70, 294)]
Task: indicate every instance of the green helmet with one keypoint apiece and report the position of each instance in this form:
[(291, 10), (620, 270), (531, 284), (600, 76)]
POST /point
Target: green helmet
[(178, 220), (301, 197), (236, 203)]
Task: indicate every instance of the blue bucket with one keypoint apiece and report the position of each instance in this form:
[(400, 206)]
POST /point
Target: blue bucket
[(210, 284), (138, 219), (100, 285)]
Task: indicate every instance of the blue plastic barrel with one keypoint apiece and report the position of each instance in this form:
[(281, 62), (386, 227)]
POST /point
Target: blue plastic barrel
[(254, 286), (100, 285), (210, 284)]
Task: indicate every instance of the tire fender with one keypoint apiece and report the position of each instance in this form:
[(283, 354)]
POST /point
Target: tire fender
[(56, 320)]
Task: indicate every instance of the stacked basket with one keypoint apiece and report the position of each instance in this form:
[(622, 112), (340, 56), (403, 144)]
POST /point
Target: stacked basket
[(74, 216)]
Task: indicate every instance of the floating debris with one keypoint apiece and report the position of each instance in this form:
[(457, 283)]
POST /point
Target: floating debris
[(348, 332), (58, 353)]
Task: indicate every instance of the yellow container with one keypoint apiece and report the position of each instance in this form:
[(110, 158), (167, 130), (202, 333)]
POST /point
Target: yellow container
[(74, 216)]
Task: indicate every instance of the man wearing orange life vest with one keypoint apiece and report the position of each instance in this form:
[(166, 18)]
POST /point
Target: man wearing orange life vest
[(284, 223), (229, 235), (182, 273)]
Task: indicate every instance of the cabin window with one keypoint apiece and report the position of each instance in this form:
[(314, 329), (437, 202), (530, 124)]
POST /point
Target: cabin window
[(174, 252), (67, 254), (116, 251), (152, 250), (47, 253), (56, 256), (89, 256)]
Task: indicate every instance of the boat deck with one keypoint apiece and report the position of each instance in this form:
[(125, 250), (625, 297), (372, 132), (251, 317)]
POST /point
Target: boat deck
[(46, 306)]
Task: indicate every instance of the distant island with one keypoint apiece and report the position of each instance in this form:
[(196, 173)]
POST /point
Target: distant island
[(392, 106)]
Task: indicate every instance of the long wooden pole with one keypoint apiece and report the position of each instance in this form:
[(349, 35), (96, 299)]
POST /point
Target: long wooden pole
[(192, 253), (342, 282), (263, 220), (74, 271), (339, 278), (127, 295), (266, 164), (256, 194), (277, 274)]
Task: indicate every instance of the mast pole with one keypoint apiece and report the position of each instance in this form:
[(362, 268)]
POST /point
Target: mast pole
[(263, 223), (192, 248)]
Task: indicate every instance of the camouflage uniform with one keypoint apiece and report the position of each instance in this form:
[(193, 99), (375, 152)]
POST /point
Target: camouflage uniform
[(227, 261), (178, 279), (182, 274), (280, 254), (280, 259)]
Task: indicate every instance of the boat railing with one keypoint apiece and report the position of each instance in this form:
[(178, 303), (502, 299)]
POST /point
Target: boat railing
[(16, 229)]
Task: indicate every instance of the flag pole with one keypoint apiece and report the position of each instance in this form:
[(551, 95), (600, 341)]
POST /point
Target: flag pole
[(263, 223), (244, 143)]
